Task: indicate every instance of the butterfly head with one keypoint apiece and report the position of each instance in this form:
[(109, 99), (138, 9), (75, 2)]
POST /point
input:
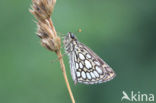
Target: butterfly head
[(70, 37)]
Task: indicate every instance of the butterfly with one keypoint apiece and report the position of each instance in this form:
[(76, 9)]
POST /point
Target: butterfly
[(86, 67)]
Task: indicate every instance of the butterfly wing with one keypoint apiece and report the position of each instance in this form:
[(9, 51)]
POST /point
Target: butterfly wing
[(90, 68)]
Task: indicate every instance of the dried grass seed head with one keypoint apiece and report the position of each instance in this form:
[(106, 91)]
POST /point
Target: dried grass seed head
[(48, 39), (42, 9)]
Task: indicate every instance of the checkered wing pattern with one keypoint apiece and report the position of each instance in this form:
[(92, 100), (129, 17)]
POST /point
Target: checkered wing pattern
[(86, 67)]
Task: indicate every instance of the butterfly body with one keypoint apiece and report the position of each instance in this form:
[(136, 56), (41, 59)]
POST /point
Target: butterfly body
[(86, 67)]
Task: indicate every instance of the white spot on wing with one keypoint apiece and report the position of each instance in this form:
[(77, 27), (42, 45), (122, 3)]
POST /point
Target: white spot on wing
[(78, 74), (77, 66), (88, 65), (83, 74), (80, 65), (88, 76), (97, 63), (93, 76), (96, 74), (88, 56), (81, 56), (98, 70)]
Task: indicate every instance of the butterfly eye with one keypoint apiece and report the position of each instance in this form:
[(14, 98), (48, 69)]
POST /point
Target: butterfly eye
[(72, 36)]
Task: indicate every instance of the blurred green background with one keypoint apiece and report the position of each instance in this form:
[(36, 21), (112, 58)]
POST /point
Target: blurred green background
[(123, 33)]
